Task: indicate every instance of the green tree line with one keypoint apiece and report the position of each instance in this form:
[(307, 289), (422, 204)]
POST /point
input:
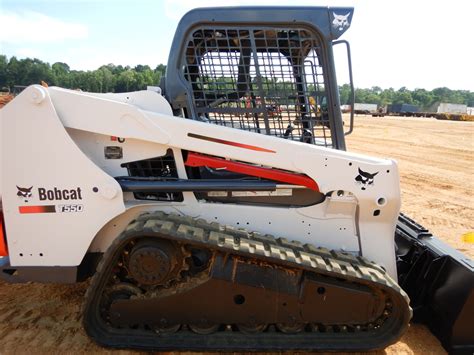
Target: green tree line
[(117, 78), (422, 98), (107, 78)]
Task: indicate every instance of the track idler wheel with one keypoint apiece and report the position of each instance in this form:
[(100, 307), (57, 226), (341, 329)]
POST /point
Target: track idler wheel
[(155, 262)]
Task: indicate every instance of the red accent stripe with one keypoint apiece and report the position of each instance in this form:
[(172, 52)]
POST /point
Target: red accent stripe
[(3, 238), (196, 160), (234, 144), (37, 209)]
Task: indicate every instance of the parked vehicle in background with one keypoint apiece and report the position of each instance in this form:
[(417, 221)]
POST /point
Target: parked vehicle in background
[(452, 108), (402, 109)]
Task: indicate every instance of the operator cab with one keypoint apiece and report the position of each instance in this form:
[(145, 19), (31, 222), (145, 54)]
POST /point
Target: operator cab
[(267, 70)]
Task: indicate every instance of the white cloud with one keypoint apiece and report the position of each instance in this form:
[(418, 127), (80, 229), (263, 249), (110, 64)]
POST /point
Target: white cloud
[(33, 27), (28, 52)]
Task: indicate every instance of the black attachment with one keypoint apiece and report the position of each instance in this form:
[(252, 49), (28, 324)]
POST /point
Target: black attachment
[(440, 283)]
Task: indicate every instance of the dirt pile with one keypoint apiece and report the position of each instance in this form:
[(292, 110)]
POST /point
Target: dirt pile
[(5, 98)]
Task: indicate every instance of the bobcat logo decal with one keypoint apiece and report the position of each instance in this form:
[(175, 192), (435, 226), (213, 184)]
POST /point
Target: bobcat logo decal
[(340, 21), (24, 192), (365, 179)]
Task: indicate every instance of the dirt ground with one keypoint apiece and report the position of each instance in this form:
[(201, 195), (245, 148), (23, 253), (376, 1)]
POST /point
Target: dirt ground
[(435, 160), (436, 167)]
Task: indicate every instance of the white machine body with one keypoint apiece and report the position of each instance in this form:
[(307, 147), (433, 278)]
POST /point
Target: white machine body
[(61, 200)]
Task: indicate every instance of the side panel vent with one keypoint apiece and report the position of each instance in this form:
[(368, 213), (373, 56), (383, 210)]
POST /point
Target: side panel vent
[(159, 167)]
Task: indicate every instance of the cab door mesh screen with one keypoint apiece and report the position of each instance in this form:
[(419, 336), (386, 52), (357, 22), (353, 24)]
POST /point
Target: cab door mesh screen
[(268, 81)]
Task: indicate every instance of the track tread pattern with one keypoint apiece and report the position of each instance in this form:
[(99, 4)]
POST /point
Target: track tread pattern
[(250, 244), (266, 246)]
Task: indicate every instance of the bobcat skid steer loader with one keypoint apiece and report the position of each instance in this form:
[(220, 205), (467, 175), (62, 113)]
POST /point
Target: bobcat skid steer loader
[(208, 222)]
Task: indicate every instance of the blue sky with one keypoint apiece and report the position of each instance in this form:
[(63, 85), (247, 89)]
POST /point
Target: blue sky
[(416, 43)]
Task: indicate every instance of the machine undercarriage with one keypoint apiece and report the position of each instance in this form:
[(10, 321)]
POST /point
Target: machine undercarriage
[(220, 288)]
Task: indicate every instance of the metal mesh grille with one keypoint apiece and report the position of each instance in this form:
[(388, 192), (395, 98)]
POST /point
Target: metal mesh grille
[(160, 167), (262, 80), (156, 167)]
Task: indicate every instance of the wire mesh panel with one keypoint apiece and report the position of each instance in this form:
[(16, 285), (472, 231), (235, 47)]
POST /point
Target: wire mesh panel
[(263, 80), (155, 168)]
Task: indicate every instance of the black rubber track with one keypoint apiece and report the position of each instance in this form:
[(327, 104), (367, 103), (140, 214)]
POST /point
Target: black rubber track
[(376, 335)]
